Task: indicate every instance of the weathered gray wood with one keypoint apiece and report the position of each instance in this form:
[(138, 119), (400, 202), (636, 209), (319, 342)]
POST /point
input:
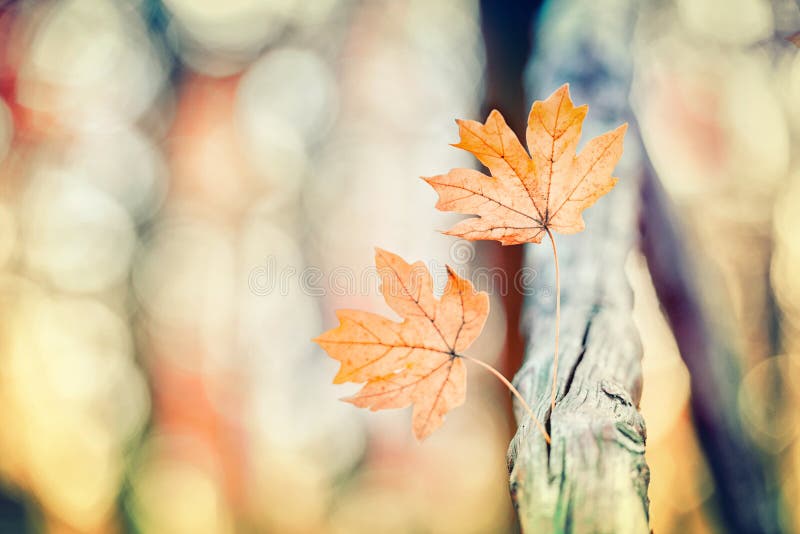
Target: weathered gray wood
[(593, 478)]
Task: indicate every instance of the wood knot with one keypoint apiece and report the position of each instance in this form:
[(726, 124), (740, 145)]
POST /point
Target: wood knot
[(616, 392)]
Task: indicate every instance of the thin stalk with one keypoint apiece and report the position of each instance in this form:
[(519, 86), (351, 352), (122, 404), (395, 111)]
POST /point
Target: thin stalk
[(513, 390), (558, 323)]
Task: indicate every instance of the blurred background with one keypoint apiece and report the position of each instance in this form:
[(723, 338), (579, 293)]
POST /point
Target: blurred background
[(189, 189)]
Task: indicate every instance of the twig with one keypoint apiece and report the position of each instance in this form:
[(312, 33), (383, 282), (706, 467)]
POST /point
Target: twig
[(558, 324), (513, 390)]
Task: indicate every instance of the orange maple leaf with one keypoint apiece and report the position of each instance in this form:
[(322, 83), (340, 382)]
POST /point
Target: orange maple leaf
[(414, 362), (529, 195)]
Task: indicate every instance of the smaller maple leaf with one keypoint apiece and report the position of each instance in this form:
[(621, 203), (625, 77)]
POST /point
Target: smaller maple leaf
[(529, 195), (416, 361)]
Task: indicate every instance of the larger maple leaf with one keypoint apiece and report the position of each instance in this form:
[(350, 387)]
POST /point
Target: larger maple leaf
[(417, 361), (529, 195)]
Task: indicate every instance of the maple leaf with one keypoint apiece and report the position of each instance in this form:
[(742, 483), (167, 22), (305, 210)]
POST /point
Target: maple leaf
[(416, 361), (529, 195)]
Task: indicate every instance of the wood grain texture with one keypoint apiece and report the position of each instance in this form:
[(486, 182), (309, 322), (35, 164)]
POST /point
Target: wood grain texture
[(594, 478)]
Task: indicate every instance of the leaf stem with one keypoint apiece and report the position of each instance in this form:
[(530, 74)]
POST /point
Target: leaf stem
[(558, 323), (513, 390)]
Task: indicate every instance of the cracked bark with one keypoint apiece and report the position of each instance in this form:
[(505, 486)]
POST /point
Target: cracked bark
[(593, 478)]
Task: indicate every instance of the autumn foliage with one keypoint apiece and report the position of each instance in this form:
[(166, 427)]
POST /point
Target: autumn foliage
[(530, 193), (416, 361)]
